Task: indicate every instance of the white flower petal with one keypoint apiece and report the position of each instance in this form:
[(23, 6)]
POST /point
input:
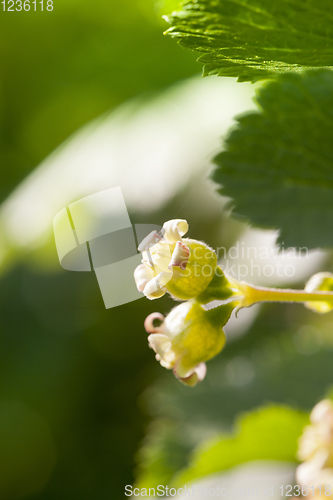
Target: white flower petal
[(175, 321), (175, 229), (161, 257), (201, 371), (149, 241), (155, 288), (142, 275), (309, 472), (161, 344), (195, 377), (322, 412), (153, 291), (165, 364)]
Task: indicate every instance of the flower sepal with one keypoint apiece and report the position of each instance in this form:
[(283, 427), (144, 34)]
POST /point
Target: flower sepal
[(219, 288)]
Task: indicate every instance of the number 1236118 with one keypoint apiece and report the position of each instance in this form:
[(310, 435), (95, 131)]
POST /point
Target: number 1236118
[(18, 5)]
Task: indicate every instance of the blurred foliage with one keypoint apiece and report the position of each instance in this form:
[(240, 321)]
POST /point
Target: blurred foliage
[(80, 369), (66, 378), (163, 452), (254, 40), (270, 433), (63, 68), (71, 372), (27, 454), (285, 358), (278, 163)]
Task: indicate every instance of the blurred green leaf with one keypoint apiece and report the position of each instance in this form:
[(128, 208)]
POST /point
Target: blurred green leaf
[(60, 70), (27, 452), (162, 454), (270, 433), (254, 39), (278, 162), (285, 371)]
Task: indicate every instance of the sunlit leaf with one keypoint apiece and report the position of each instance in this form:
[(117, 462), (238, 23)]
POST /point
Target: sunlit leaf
[(278, 162), (254, 39), (270, 433)]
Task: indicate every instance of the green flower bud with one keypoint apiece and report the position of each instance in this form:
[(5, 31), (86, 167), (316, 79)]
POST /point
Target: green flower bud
[(200, 268), (187, 337), (320, 282)]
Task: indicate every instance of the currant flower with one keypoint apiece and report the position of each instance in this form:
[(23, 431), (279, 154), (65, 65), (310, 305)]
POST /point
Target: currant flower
[(319, 435), (187, 338), (190, 335), (181, 266), (316, 447)]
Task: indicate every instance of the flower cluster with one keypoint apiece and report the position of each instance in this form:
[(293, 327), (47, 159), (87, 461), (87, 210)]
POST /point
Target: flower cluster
[(183, 267), (316, 448), (187, 269)]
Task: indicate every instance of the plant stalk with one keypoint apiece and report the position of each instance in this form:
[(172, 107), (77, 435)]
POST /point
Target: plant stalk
[(254, 294)]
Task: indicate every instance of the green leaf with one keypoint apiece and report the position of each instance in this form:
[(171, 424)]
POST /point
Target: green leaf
[(254, 39), (270, 433), (278, 162)]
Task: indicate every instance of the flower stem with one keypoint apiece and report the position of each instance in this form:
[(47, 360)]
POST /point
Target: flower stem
[(253, 294)]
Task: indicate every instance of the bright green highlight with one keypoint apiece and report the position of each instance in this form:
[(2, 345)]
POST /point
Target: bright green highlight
[(270, 433)]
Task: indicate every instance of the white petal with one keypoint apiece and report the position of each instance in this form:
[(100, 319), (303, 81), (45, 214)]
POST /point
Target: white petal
[(161, 344), (161, 257), (174, 229), (149, 241), (201, 371), (309, 472), (180, 256), (155, 288), (175, 321), (323, 411), (305, 473), (142, 275), (165, 364), (195, 377)]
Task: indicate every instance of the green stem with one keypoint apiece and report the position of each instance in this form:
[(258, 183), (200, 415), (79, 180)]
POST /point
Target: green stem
[(253, 294)]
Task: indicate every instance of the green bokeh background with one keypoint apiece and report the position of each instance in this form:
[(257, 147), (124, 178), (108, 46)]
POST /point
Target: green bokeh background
[(79, 388)]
